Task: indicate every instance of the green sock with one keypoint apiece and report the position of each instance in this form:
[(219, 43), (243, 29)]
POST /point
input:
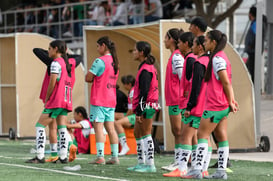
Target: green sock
[(114, 150), (100, 149), (69, 144)]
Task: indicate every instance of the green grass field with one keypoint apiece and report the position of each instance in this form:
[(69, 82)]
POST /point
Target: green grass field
[(14, 153)]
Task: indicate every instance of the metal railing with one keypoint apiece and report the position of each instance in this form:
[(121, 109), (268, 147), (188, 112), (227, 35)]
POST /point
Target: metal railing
[(57, 28)]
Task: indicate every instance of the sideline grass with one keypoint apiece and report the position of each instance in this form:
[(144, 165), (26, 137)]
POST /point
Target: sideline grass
[(14, 153)]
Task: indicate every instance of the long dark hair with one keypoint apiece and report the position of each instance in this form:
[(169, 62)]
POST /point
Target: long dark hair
[(81, 110), (111, 46), (187, 37), (174, 33), (145, 47), (221, 41), (200, 41), (62, 49), (128, 79)]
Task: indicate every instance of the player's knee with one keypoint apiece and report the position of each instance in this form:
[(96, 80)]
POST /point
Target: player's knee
[(176, 132)]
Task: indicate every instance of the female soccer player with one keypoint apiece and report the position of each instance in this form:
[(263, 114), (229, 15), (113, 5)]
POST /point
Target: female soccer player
[(173, 76), (145, 103), (74, 61), (129, 120), (58, 101), (82, 128), (219, 102), (103, 75)]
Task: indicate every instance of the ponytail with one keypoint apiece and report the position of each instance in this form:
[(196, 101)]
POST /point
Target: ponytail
[(150, 59), (68, 66), (200, 41), (221, 40), (62, 49), (111, 46)]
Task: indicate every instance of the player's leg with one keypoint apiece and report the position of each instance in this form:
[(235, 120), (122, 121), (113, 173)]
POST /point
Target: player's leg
[(110, 128)]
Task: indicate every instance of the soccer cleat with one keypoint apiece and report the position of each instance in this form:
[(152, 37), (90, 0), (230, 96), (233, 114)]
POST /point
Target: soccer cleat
[(205, 173), (59, 160), (135, 167), (228, 170), (124, 150), (52, 159), (193, 174), (72, 153), (98, 160), (146, 168), (36, 160), (171, 167), (219, 174), (175, 173), (113, 161)]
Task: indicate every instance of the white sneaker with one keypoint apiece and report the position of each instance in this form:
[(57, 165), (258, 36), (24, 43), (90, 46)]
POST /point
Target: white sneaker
[(124, 150), (171, 167)]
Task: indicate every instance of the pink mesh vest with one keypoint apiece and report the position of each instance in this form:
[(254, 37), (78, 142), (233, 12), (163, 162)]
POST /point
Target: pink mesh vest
[(216, 99), (199, 108), (185, 85), (171, 83), (61, 96), (103, 90), (152, 98)]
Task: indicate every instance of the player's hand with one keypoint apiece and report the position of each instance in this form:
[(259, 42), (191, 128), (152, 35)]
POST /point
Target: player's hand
[(187, 114), (234, 106)]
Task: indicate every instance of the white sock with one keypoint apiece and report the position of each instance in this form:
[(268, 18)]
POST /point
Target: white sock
[(140, 151), (193, 156), (177, 153), (202, 150), (223, 153), (207, 160), (149, 148), (123, 141), (40, 142), (186, 152), (63, 142)]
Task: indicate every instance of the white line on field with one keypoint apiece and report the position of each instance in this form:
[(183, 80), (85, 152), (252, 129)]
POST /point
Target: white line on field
[(59, 171)]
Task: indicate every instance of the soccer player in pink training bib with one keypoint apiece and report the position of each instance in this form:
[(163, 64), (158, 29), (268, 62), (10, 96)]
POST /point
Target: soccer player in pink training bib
[(74, 60), (145, 103), (58, 102), (219, 102), (173, 76), (103, 75)]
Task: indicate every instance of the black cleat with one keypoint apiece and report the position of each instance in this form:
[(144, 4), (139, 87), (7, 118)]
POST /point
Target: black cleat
[(36, 160), (64, 161)]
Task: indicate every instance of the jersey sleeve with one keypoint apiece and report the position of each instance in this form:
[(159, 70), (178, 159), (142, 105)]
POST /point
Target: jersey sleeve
[(55, 68), (218, 64), (85, 124), (131, 95), (97, 67), (177, 64)]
